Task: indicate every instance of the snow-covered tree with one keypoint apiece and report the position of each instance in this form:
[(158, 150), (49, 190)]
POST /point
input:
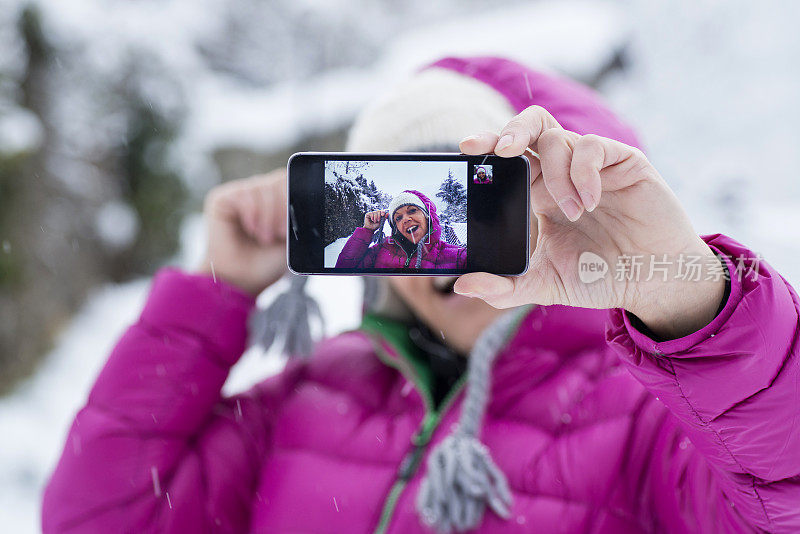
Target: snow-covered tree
[(349, 195), (453, 193)]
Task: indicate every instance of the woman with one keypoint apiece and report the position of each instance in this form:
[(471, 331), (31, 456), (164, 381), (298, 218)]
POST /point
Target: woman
[(481, 177), (676, 411), (417, 238)]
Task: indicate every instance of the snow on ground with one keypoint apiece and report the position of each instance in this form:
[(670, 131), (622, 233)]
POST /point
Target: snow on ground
[(36, 417), (333, 250)]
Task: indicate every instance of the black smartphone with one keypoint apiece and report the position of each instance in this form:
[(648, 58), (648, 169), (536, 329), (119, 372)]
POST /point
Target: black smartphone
[(407, 213)]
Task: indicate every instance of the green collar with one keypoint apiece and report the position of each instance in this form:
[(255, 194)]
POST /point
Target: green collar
[(395, 333)]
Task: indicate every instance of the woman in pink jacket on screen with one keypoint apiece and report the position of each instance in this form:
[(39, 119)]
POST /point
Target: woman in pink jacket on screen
[(638, 379), (416, 242)]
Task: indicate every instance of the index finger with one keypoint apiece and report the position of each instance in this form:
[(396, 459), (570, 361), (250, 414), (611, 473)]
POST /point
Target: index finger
[(521, 132), (524, 130)]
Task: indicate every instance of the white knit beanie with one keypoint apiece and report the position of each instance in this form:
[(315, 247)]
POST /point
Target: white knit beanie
[(432, 111), (404, 199)]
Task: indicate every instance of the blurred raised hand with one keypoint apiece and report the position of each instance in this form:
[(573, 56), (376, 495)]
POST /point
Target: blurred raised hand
[(246, 222)]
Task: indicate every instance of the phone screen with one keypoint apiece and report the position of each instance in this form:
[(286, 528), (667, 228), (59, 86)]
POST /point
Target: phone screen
[(434, 214)]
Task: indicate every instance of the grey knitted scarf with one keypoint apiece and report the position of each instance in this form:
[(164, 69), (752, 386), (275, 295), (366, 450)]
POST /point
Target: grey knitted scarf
[(462, 479)]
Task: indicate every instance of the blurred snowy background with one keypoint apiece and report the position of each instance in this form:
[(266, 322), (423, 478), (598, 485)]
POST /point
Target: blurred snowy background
[(117, 116)]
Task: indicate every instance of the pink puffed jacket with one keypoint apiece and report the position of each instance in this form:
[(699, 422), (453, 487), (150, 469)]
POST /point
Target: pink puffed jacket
[(598, 428)]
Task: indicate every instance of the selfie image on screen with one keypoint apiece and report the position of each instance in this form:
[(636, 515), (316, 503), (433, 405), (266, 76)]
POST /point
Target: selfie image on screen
[(395, 214), (482, 174)]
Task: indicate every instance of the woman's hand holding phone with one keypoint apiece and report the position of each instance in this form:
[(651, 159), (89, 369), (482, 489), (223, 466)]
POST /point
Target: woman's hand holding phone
[(593, 194), (246, 222)]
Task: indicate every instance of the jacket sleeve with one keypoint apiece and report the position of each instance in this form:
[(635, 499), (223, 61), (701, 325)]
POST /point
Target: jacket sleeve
[(356, 252), (730, 457), (156, 448)]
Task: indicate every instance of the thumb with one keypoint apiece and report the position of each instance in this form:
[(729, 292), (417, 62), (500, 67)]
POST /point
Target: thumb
[(495, 290)]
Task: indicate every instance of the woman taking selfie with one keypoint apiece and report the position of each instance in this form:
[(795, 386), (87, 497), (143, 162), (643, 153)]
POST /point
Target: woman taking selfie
[(416, 238), (628, 403)]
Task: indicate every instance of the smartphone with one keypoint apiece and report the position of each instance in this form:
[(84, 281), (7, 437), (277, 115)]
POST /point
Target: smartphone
[(407, 213)]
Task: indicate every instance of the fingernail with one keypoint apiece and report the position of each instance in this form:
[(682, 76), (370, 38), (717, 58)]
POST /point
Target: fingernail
[(465, 292), (489, 288), (504, 142), (458, 290), (588, 200), (469, 138), (570, 209)]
